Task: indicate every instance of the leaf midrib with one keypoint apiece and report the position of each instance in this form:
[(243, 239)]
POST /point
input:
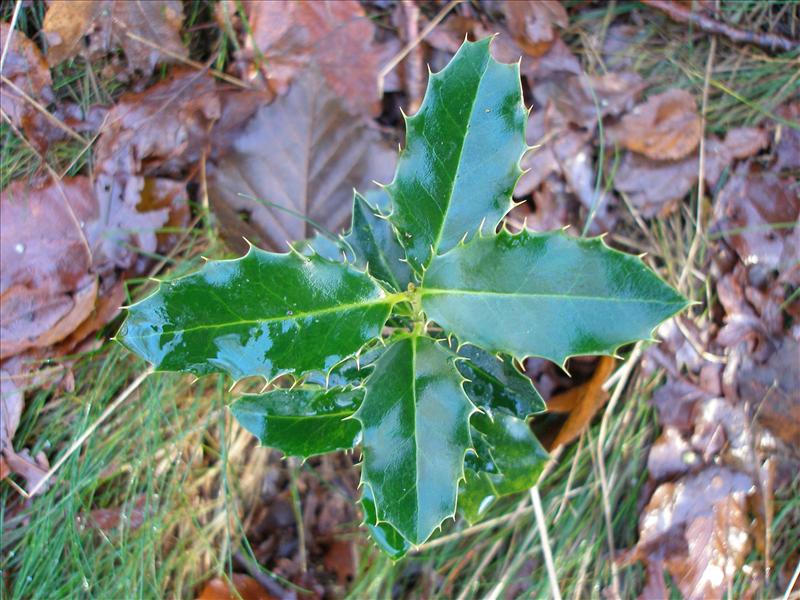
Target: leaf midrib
[(440, 292), (440, 232), (293, 317)]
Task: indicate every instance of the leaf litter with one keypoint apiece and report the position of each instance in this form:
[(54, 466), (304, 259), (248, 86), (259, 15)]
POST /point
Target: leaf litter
[(723, 423)]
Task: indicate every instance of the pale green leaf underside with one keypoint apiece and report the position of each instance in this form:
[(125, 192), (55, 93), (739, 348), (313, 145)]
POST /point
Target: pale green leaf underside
[(547, 295), (461, 160), (302, 421), (415, 420), (263, 314)]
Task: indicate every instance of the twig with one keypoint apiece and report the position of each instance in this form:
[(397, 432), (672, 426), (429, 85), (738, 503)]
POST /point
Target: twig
[(681, 14), (187, 61), (548, 554), (601, 463), (90, 430), (11, 29), (411, 43), (790, 587), (255, 572), (698, 232)]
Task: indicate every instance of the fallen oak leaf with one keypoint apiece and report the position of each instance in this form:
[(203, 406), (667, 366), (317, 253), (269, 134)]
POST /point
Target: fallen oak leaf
[(582, 402)]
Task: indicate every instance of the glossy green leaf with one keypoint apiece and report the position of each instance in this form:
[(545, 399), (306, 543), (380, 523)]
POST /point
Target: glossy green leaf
[(302, 421), (375, 245), (384, 535), (494, 383), (508, 460), (547, 295), (461, 160), (415, 419), (263, 314)]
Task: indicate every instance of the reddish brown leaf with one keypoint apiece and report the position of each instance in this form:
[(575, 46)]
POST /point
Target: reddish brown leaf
[(246, 588), (285, 38), (666, 127), (305, 153), (582, 402), (96, 27)]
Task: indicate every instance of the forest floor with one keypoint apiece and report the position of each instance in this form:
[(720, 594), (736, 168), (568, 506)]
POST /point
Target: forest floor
[(671, 128)]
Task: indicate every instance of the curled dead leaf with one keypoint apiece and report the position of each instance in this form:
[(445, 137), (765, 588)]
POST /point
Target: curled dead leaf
[(582, 402)]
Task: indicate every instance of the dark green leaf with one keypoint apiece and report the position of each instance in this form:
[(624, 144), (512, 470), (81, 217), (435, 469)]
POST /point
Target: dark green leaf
[(494, 383), (263, 314), (375, 245), (546, 295), (461, 160), (415, 418), (508, 460), (302, 421), (323, 245), (385, 536)]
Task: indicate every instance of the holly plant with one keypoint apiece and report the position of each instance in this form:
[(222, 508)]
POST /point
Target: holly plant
[(405, 336)]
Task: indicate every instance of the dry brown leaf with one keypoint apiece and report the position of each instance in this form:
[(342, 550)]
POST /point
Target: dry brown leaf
[(304, 153), (96, 27), (666, 127), (655, 187), (109, 519), (582, 402), (572, 95), (531, 23), (756, 211), (697, 528), (46, 290), (246, 588), (336, 37), (788, 138)]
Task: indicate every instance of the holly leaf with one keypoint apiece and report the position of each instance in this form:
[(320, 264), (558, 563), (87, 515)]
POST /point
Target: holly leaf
[(382, 533), (375, 245), (582, 297), (415, 419), (508, 460), (461, 161), (494, 383), (263, 314), (302, 421)]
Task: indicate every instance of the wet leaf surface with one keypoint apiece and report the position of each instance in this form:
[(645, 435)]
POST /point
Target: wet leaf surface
[(415, 419), (555, 277), (263, 314)]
